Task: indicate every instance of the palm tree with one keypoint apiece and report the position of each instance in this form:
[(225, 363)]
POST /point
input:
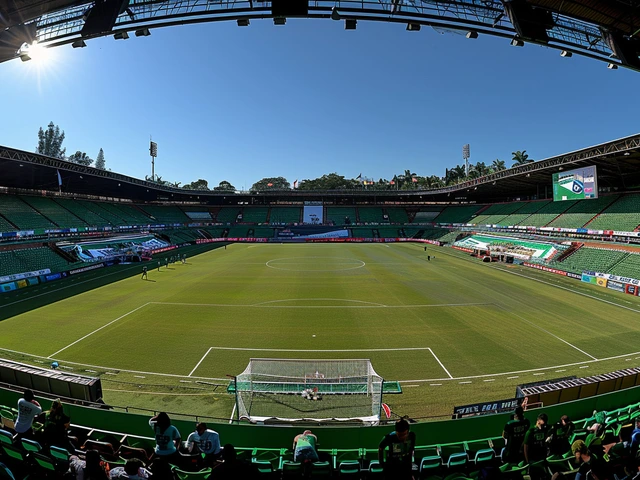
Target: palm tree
[(520, 158), (498, 165)]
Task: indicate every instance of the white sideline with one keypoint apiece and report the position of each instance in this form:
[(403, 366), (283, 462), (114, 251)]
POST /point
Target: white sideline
[(373, 305), (438, 360), (98, 329), (198, 364), (245, 349)]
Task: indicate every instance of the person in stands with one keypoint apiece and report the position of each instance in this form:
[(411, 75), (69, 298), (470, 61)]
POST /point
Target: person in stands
[(231, 468), (167, 439), (28, 409), (133, 470), (559, 435), (513, 434), (535, 448), (400, 445), (304, 447), (56, 424), (585, 459), (92, 468), (204, 441)]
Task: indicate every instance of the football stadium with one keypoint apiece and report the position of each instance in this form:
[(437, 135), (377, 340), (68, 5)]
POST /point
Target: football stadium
[(353, 309)]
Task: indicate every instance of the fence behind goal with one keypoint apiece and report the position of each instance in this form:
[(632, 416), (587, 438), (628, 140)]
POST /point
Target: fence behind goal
[(295, 390)]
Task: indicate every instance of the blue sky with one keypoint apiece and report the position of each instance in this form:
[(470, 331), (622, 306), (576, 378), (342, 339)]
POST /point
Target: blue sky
[(308, 98)]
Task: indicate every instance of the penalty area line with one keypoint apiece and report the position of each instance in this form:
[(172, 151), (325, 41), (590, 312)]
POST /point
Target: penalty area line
[(198, 364), (438, 360), (98, 329)]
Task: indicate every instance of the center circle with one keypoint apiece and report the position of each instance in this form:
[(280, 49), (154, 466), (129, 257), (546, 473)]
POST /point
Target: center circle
[(315, 264)]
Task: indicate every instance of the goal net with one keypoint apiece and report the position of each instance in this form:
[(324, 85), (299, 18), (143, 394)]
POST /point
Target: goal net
[(309, 390)]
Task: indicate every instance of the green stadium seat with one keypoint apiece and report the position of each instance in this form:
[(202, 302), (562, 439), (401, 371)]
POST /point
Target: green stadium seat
[(5, 473), (349, 469), (430, 465), (30, 446), (7, 419), (6, 437), (321, 470), (291, 470), (46, 467), (375, 470), (14, 453), (183, 475)]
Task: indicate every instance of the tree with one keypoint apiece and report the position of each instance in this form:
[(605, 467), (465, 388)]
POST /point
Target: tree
[(199, 184), (50, 142), (331, 181), (80, 158), (481, 169), (224, 186), (271, 183), (100, 162), (498, 165), (520, 158)]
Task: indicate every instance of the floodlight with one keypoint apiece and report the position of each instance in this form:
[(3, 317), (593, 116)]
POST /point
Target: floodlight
[(413, 27), (25, 57), (279, 20), (612, 66), (335, 15), (350, 24), (566, 54), (243, 22), (472, 34), (143, 32), (516, 42), (79, 44), (626, 154), (121, 36)]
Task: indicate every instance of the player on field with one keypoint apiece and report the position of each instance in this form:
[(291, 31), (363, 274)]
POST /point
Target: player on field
[(144, 273)]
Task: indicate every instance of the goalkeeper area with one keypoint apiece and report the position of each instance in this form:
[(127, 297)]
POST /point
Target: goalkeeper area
[(292, 390)]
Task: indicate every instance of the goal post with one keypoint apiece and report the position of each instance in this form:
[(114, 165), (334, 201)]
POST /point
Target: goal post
[(293, 390)]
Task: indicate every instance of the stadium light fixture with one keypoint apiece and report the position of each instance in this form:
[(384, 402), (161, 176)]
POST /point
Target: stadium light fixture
[(143, 32), (413, 27), (472, 34), (279, 21), (335, 15), (79, 44), (350, 24), (516, 42), (121, 36), (566, 54), (626, 154), (24, 56), (612, 66), (243, 22)]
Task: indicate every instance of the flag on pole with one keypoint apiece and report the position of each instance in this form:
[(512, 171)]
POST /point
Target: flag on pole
[(414, 179), (392, 182), (295, 183), (359, 177), (59, 178), (269, 184)]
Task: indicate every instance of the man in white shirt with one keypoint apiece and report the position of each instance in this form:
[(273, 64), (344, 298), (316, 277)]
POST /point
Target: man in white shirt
[(204, 441), (28, 409)]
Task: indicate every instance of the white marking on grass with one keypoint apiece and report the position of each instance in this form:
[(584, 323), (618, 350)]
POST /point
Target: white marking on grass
[(490, 380), (245, 349), (110, 373), (317, 300), (409, 386), (65, 367), (627, 359), (547, 332), (564, 288), (435, 384), (198, 364), (511, 378), (438, 360), (463, 383), (539, 373), (563, 370), (586, 366), (139, 376), (233, 413), (137, 392), (186, 381), (373, 305), (90, 371), (98, 329)]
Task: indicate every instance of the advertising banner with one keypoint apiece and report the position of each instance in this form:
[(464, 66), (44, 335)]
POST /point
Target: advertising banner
[(617, 286), (86, 269), (486, 407), (546, 269), (7, 287), (602, 282), (631, 289), (20, 276)]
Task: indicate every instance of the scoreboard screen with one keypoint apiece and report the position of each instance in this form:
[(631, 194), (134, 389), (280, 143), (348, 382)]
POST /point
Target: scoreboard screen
[(576, 184)]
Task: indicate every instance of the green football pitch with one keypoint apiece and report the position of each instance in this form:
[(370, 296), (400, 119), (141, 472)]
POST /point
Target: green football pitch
[(452, 330)]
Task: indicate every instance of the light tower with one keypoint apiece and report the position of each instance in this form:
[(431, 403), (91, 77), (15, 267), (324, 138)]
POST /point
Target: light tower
[(153, 151), (465, 157)]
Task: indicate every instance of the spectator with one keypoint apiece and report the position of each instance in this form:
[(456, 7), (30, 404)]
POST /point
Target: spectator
[(56, 424), (513, 433), (28, 409), (635, 439), (584, 459), (400, 444), (559, 436), (132, 470), (92, 468), (535, 447), (231, 468), (304, 447), (167, 443), (204, 441)]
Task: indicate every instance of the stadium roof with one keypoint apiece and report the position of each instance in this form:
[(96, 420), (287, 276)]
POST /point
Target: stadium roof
[(617, 163), (601, 29)]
